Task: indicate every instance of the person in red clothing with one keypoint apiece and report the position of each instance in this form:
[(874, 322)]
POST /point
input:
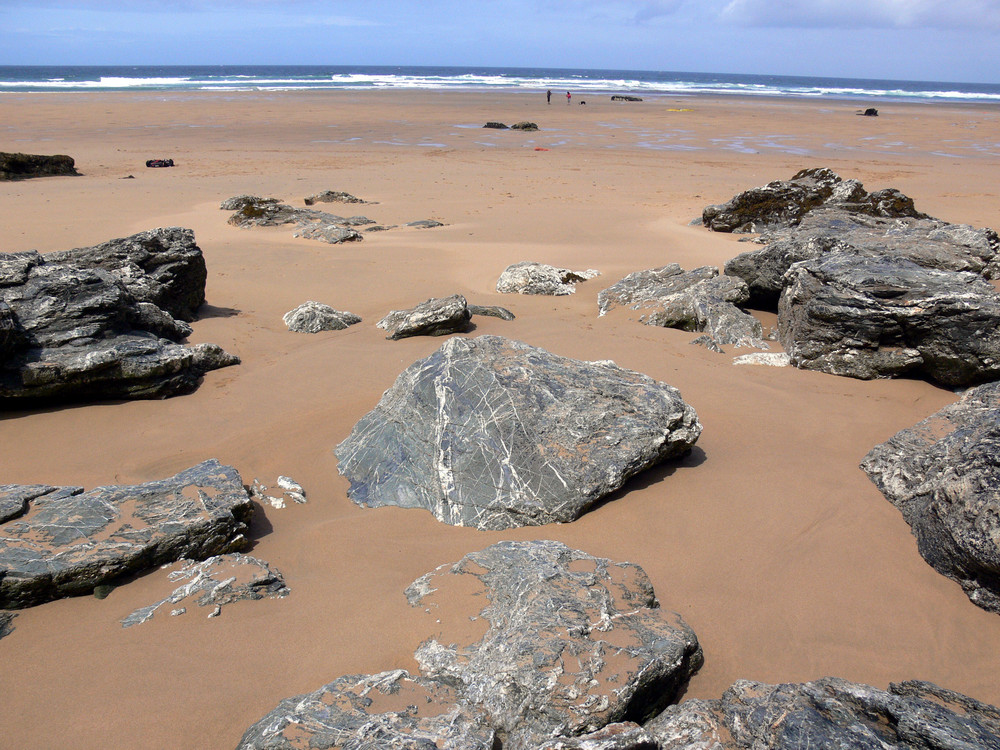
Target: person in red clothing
[(569, 97)]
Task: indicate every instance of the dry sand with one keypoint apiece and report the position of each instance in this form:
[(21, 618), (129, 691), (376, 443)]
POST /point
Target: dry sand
[(768, 539)]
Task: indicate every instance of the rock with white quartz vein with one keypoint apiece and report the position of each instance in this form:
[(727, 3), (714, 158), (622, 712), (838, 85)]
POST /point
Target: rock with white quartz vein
[(493, 433), (527, 277)]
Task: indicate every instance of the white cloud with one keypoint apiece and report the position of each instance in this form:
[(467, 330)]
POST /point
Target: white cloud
[(901, 14)]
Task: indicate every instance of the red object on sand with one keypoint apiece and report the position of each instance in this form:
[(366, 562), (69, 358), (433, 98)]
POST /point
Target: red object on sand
[(539, 148)]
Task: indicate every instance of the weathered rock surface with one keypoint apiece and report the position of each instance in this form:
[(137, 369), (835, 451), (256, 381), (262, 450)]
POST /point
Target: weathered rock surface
[(434, 317), (332, 196), (528, 277), (26, 166), (492, 311), (697, 300), (785, 202), (78, 333), (575, 642), (493, 433), (6, 620), (524, 126), (425, 223), (332, 234), (288, 490), (216, 582), (830, 713), (238, 202), (162, 266), (495, 125), (927, 242), (871, 317), (363, 712), (313, 317), (943, 475), (15, 499), (71, 541)]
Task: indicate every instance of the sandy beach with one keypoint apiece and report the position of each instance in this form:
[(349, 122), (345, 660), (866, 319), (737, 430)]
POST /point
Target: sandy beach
[(768, 539)]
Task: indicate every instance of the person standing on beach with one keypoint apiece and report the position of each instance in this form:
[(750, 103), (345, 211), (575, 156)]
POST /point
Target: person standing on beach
[(548, 96), (569, 96)]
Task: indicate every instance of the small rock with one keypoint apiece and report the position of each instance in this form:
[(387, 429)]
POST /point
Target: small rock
[(527, 277), (435, 317), (313, 317), (332, 196)]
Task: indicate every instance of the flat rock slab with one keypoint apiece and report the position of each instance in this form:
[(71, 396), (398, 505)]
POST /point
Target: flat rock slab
[(929, 243), (943, 475), (216, 582), (696, 300), (26, 166), (332, 234), (434, 317), (71, 541), (785, 202), (874, 317), (491, 311), (574, 642), (830, 713), (528, 277), (361, 712), (493, 433), (313, 317)]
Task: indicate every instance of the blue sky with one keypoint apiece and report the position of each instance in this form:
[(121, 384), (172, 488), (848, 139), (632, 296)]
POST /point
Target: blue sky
[(938, 40)]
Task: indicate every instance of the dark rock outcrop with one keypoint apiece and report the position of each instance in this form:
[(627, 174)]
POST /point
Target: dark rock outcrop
[(871, 317), (528, 277), (216, 582), (625, 98), (524, 126), (927, 242), (434, 317), (6, 618), (785, 202), (313, 317), (238, 202), (76, 333), (697, 300), (71, 541), (332, 234), (332, 196), (574, 642), (943, 475), (26, 166), (493, 433), (495, 125), (830, 713)]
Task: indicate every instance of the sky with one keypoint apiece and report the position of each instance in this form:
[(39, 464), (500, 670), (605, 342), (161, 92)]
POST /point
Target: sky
[(930, 40)]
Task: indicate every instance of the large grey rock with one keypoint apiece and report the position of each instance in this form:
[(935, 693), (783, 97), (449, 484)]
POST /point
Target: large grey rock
[(332, 234), (313, 317), (80, 334), (623, 735), (434, 317), (528, 277), (364, 712), (71, 541), (493, 433), (785, 202), (870, 317), (830, 713), (575, 642), (697, 300), (943, 475), (162, 266), (216, 582), (927, 242), (24, 166)]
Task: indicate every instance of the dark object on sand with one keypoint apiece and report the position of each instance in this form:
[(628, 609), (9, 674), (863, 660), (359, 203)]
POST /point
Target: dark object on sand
[(525, 125), (625, 98), (495, 125), (332, 196), (160, 163), (26, 166), (870, 112)]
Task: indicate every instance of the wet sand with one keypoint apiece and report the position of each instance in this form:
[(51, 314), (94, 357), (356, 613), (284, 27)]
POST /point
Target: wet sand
[(768, 539)]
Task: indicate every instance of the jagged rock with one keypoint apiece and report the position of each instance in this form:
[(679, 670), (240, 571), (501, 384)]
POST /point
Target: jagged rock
[(625, 735), (71, 541), (332, 196), (80, 334), (26, 166), (332, 234), (927, 242), (785, 202), (216, 582), (528, 277), (435, 317), (575, 642), (495, 125), (697, 300), (15, 499), (493, 433), (943, 475), (313, 317), (492, 311), (830, 713), (6, 618), (524, 126), (267, 213), (386, 710), (425, 224), (238, 202), (162, 266), (871, 317)]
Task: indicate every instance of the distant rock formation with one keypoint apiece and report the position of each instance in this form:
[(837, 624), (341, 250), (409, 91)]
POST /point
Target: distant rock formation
[(527, 277), (625, 98), (943, 475), (434, 317), (313, 317), (493, 433), (495, 125), (332, 196), (524, 126), (67, 542), (26, 166)]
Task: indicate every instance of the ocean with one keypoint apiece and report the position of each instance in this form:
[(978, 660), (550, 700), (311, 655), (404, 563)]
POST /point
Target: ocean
[(225, 78)]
